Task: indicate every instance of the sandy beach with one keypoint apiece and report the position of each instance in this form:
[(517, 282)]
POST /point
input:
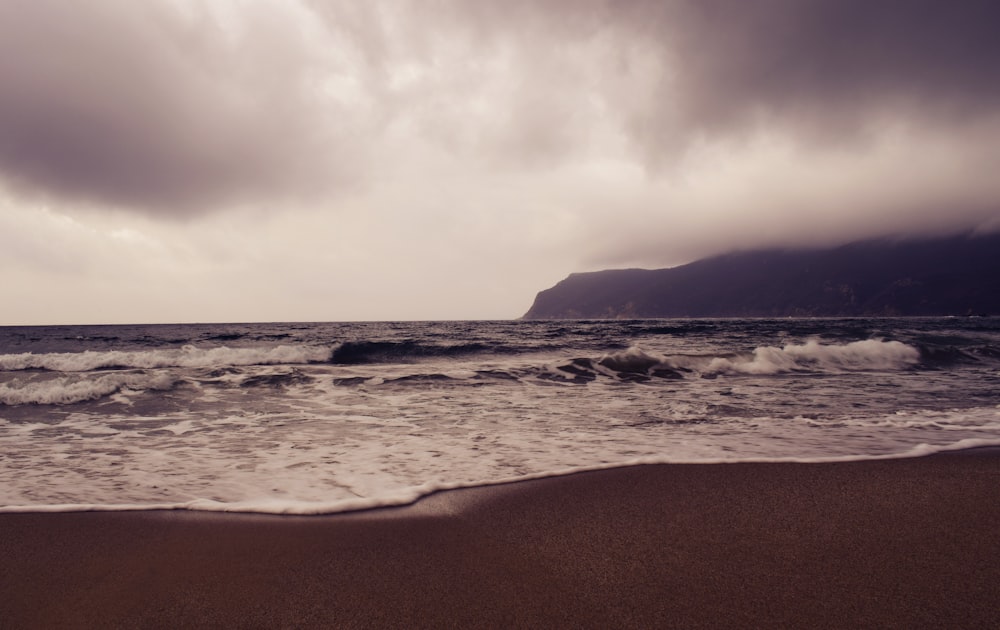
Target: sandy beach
[(895, 543)]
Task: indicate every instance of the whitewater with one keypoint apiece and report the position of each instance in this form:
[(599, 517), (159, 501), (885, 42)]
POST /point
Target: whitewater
[(327, 417)]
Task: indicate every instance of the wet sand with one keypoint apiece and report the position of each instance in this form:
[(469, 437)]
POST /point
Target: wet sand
[(898, 543)]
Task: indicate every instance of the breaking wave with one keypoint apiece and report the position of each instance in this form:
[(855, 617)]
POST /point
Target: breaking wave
[(187, 356), (812, 356), (637, 364), (69, 389)]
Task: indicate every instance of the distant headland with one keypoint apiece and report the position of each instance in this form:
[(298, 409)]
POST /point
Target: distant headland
[(957, 275)]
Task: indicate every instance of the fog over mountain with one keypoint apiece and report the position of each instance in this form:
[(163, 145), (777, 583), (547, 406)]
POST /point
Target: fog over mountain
[(214, 160), (952, 276)]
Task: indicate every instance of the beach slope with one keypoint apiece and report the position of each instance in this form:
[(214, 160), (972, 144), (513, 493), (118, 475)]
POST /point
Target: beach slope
[(893, 543)]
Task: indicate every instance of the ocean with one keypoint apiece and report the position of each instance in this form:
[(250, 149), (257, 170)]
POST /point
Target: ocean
[(313, 418)]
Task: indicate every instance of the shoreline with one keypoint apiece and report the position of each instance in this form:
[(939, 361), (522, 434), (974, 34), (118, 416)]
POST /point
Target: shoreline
[(414, 495), (885, 542)]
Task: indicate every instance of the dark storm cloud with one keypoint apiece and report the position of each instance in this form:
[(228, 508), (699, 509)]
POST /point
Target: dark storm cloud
[(825, 66), (173, 110), (136, 104), (828, 70), (488, 147), (885, 115)]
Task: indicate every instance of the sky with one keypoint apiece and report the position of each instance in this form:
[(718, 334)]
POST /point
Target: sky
[(329, 160)]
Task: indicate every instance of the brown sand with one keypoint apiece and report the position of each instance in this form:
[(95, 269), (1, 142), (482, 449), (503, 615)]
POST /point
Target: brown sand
[(904, 543)]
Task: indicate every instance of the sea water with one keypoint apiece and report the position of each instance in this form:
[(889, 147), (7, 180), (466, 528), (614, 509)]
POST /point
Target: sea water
[(325, 417)]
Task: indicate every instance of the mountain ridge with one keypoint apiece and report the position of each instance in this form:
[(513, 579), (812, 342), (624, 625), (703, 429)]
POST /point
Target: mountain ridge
[(957, 275)]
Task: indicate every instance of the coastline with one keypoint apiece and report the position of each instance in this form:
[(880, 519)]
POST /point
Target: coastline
[(898, 542)]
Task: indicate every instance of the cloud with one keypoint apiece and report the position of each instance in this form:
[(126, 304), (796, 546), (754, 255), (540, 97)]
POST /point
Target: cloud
[(823, 67), (330, 159), (177, 108), (670, 73), (146, 106), (775, 192)]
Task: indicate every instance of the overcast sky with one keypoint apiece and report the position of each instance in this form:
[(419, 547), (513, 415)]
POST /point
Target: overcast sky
[(242, 160)]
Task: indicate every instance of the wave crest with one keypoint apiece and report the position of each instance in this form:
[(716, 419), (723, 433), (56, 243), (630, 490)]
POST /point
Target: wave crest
[(68, 389), (870, 354), (187, 356), (638, 364)]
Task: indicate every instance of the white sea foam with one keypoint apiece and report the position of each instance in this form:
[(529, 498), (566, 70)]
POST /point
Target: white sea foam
[(391, 448), (188, 356), (812, 356), (984, 419), (870, 354), (69, 389), (407, 495)]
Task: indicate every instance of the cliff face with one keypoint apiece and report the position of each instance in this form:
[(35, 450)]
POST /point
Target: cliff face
[(951, 276)]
